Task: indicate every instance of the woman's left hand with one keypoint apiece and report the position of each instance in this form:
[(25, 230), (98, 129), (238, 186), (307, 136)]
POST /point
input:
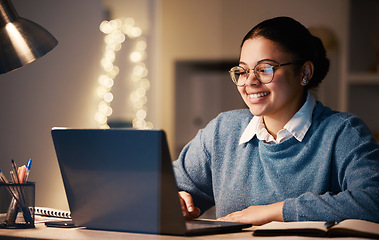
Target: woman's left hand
[(257, 215)]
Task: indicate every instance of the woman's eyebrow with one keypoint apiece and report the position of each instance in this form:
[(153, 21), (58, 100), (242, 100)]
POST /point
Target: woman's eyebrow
[(242, 63), (260, 61), (266, 60)]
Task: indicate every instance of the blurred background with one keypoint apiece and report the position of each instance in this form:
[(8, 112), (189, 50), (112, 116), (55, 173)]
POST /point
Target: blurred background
[(164, 64)]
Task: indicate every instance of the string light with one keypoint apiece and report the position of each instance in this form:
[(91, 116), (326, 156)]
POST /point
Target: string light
[(116, 32)]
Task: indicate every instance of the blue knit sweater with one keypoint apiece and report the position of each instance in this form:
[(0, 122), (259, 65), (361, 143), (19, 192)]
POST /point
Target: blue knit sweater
[(333, 174)]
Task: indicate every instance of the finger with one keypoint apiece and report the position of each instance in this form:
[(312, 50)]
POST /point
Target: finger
[(188, 202), (195, 213), (183, 206), (233, 217), (187, 198), (188, 208)]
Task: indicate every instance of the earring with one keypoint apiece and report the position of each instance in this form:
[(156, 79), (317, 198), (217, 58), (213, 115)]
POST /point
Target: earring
[(304, 81)]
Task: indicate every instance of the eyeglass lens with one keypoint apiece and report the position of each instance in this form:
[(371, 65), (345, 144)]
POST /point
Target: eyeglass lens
[(264, 72)]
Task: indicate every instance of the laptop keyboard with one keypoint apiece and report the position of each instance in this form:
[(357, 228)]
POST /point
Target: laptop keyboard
[(202, 224)]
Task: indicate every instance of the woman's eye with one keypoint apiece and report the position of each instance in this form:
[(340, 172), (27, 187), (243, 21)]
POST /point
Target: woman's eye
[(241, 73), (265, 70)]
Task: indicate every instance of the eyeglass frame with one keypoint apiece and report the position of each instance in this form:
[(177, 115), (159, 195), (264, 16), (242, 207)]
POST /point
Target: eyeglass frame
[(257, 76)]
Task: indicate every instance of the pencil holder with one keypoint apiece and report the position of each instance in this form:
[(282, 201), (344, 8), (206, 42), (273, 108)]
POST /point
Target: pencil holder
[(17, 203)]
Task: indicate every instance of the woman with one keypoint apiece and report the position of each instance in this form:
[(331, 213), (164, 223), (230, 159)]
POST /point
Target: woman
[(287, 157)]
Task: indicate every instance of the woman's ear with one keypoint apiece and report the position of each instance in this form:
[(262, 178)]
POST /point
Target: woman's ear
[(307, 72)]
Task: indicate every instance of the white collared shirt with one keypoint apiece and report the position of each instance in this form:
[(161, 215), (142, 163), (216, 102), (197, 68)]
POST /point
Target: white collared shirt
[(297, 126)]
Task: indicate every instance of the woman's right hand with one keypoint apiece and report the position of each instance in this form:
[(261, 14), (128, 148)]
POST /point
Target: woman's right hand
[(188, 208)]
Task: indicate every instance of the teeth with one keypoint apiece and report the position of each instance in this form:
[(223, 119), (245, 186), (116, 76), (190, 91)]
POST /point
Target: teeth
[(257, 95)]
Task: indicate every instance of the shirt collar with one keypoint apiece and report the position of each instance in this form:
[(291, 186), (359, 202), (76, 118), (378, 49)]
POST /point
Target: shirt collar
[(298, 125)]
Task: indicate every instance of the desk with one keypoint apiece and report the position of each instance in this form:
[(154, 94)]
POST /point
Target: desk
[(43, 232)]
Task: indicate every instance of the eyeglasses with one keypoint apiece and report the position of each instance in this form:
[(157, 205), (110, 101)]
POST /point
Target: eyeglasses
[(264, 72)]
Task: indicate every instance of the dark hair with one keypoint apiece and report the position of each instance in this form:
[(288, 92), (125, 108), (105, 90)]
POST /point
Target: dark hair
[(297, 40)]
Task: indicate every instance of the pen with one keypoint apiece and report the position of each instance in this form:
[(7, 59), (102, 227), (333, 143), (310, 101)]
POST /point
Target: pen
[(28, 165), (330, 224), (13, 192), (3, 178), (15, 172), (13, 176)]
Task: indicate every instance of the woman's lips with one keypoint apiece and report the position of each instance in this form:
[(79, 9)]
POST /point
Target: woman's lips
[(258, 95)]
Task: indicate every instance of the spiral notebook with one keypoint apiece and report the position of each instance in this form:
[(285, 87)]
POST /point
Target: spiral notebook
[(52, 212), (122, 179)]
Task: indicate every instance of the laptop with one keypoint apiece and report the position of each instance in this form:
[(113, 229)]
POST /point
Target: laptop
[(122, 179)]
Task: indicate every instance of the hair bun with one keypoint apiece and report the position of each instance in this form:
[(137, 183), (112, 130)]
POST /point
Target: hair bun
[(296, 40), (320, 61)]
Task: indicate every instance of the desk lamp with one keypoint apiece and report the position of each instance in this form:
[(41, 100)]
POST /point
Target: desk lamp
[(21, 41)]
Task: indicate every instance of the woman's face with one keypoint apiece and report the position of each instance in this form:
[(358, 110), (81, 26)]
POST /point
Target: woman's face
[(283, 96)]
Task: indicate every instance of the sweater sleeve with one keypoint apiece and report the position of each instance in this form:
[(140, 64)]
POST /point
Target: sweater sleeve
[(356, 166), (195, 167), (193, 174)]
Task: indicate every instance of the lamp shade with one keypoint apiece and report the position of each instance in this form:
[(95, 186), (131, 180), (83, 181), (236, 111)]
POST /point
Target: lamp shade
[(21, 41)]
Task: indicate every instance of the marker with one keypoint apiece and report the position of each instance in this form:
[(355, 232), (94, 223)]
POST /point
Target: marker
[(21, 174)]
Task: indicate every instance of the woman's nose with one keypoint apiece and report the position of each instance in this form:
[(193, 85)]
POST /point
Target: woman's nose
[(252, 79)]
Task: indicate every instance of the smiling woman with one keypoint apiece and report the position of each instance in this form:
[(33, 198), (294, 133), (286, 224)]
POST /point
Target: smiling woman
[(288, 157), (282, 95)]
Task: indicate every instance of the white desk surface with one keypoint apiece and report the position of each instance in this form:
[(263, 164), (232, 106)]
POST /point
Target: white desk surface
[(43, 232)]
